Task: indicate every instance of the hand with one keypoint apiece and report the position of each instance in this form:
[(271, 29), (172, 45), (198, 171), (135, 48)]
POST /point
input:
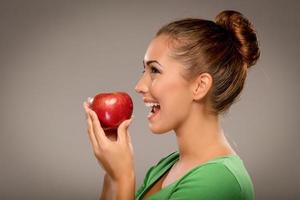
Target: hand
[(114, 154)]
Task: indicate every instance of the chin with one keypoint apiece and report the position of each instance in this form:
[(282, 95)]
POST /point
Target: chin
[(158, 129)]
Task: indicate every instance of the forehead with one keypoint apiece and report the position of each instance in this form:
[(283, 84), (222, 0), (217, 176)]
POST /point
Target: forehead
[(158, 50)]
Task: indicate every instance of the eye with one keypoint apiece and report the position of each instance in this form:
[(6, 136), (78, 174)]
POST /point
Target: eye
[(154, 70)]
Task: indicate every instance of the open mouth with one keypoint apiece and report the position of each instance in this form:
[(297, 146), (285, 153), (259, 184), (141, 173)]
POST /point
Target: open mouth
[(155, 108)]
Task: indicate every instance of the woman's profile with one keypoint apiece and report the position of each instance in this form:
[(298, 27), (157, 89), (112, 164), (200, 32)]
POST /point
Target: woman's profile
[(194, 70)]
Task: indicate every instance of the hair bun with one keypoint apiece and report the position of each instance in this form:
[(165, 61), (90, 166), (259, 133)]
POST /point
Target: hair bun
[(242, 29)]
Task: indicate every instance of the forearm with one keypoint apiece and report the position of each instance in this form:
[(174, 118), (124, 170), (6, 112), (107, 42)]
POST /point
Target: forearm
[(125, 188), (108, 189)]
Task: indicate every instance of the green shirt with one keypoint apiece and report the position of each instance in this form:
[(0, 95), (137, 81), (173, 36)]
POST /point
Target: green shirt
[(221, 178)]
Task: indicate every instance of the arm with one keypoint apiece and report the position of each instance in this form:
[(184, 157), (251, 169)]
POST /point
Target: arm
[(213, 181), (122, 190), (125, 188), (108, 189), (114, 156)]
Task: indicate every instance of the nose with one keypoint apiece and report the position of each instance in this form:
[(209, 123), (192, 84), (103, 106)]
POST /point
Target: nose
[(141, 86)]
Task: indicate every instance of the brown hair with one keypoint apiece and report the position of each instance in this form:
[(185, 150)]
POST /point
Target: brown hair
[(225, 49)]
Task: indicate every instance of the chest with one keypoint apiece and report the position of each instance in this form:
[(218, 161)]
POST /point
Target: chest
[(155, 187), (165, 180)]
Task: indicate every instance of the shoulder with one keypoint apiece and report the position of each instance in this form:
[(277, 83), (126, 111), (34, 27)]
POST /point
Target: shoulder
[(212, 172), (209, 181)]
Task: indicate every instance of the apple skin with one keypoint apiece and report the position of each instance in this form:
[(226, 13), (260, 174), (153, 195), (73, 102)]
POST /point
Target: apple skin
[(112, 108)]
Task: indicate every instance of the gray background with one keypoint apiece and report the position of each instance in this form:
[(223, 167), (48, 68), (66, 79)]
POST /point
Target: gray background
[(54, 54)]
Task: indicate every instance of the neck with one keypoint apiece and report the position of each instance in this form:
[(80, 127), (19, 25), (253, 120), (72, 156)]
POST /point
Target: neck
[(201, 138)]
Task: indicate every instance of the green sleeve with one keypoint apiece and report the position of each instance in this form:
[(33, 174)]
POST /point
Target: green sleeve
[(210, 182)]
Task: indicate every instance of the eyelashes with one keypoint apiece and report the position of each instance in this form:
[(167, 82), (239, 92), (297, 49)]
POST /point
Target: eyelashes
[(153, 70)]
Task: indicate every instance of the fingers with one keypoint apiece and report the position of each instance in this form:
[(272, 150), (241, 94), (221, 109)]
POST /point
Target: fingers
[(90, 127), (90, 100), (98, 131), (123, 130)]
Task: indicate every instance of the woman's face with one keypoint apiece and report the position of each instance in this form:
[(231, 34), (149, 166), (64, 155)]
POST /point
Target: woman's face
[(163, 83)]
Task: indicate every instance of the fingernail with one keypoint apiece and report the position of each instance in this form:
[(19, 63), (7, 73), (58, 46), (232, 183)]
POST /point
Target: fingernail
[(90, 100)]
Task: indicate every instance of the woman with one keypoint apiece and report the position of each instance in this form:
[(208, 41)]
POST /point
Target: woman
[(194, 70)]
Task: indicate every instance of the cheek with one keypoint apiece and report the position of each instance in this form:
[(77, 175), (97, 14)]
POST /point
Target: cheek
[(158, 89), (170, 91), (162, 84), (175, 100)]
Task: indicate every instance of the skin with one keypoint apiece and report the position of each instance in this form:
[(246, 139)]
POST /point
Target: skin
[(114, 152), (198, 132)]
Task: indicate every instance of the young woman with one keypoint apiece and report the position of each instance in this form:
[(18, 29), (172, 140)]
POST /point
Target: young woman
[(194, 70)]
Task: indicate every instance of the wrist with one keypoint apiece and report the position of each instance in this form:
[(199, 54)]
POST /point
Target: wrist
[(128, 177), (125, 187)]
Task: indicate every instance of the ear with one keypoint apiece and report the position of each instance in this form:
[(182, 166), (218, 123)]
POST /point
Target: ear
[(201, 86)]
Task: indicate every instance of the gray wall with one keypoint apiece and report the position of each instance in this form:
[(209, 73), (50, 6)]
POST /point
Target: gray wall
[(54, 54)]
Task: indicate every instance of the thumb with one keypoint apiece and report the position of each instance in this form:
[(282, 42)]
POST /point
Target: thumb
[(122, 130)]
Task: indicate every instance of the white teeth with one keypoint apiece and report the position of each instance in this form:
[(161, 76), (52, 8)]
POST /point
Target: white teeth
[(151, 104)]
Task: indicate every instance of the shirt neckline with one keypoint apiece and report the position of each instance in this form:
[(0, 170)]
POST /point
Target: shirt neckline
[(169, 166)]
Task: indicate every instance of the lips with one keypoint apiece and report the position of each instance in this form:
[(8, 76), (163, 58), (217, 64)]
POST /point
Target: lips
[(155, 108)]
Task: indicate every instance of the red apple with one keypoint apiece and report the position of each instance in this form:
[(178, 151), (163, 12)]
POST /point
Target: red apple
[(112, 108)]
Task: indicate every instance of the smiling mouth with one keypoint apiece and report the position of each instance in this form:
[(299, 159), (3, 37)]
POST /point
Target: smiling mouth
[(155, 108)]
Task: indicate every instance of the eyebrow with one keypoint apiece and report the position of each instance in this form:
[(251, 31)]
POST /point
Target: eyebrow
[(151, 61)]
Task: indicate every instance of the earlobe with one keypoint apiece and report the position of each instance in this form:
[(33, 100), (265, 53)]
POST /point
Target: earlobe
[(201, 86)]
